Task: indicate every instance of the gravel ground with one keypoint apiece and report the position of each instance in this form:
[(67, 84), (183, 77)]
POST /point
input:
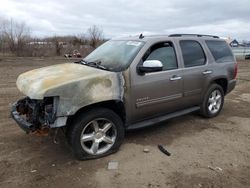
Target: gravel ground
[(204, 152)]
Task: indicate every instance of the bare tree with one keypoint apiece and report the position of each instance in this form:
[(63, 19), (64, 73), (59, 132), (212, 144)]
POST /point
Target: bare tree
[(2, 41), (1, 28), (57, 44), (95, 35), (16, 34), (15, 38)]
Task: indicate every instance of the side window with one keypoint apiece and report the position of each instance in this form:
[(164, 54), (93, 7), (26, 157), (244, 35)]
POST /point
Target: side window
[(163, 52), (220, 51), (192, 52)]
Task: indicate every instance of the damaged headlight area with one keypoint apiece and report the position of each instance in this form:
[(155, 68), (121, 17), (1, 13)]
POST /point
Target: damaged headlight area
[(35, 115)]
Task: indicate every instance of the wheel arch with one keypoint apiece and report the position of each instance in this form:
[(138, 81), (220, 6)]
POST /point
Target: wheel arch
[(115, 105), (222, 81)]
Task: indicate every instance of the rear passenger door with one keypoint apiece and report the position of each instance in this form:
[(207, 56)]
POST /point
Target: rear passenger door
[(195, 71)]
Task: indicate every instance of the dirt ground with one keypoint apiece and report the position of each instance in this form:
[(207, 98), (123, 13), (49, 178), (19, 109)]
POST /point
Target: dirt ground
[(204, 152)]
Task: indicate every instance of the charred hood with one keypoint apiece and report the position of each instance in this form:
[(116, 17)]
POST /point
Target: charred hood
[(63, 79)]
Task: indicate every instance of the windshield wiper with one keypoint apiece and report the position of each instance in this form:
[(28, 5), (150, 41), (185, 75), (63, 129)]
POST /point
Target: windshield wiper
[(96, 64), (93, 64)]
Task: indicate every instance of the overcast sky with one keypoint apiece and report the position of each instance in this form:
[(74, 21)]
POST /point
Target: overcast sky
[(129, 17)]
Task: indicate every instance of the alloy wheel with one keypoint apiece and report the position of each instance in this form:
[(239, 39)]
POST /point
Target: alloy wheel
[(98, 136), (214, 101)]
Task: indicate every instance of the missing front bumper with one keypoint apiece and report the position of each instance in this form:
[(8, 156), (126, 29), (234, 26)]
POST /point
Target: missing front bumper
[(23, 124), (37, 116)]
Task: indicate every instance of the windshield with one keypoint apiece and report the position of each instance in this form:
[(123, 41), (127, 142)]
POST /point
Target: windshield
[(115, 55)]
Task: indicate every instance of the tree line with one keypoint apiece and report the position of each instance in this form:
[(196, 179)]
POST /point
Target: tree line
[(16, 39)]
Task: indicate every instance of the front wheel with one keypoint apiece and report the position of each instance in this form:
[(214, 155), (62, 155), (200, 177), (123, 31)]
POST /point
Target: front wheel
[(213, 101), (96, 133)]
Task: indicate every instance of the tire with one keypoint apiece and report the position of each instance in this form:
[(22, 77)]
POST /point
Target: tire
[(213, 101), (96, 133)]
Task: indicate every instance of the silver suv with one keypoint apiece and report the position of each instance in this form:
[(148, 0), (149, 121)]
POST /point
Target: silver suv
[(126, 83)]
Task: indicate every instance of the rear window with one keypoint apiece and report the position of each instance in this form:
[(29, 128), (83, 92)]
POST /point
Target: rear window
[(220, 51)]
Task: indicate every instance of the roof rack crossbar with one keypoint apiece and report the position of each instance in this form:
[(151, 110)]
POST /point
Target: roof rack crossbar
[(197, 35)]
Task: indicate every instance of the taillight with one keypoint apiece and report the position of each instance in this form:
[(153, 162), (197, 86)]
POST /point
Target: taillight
[(235, 70)]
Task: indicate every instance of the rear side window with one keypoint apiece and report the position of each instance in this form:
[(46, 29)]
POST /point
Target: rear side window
[(220, 51), (192, 52)]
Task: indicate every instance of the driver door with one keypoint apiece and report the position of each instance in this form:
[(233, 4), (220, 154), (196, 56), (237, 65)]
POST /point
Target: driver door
[(160, 92)]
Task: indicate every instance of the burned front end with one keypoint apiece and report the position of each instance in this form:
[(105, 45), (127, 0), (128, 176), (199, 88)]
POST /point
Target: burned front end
[(56, 93), (34, 115)]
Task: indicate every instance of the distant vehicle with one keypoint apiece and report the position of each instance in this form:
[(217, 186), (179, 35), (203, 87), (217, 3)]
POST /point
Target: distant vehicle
[(75, 54), (126, 83)]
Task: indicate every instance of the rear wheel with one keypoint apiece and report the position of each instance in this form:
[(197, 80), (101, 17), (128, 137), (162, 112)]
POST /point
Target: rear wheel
[(213, 101), (96, 133)]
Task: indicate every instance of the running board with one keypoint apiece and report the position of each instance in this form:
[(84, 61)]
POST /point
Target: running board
[(152, 121)]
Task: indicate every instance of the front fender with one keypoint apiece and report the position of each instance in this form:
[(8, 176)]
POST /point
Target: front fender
[(76, 95)]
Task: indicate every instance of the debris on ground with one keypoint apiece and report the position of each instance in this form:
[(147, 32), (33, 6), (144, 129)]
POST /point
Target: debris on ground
[(33, 171), (53, 165), (150, 185), (113, 165), (217, 169), (146, 150), (163, 150), (41, 132), (55, 137)]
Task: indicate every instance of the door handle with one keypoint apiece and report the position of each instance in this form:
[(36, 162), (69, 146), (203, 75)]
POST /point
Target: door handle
[(207, 72), (173, 78)]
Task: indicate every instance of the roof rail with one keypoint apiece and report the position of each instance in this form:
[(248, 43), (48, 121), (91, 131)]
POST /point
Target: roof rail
[(197, 35)]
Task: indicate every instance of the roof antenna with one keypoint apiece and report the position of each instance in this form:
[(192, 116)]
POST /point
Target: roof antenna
[(141, 36)]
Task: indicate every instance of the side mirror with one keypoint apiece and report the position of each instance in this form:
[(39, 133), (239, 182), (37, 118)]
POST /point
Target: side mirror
[(150, 66)]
